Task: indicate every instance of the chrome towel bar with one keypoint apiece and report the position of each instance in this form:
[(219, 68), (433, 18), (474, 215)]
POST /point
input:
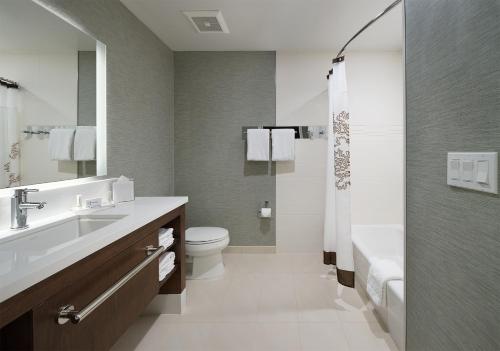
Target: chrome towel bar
[(301, 132), (67, 313)]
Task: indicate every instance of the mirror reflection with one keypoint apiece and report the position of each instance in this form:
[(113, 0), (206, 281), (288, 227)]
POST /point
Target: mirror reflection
[(47, 97)]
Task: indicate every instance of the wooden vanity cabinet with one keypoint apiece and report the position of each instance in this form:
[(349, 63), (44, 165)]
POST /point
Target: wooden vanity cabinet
[(35, 328)]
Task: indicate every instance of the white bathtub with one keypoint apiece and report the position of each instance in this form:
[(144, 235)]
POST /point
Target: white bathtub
[(382, 241)]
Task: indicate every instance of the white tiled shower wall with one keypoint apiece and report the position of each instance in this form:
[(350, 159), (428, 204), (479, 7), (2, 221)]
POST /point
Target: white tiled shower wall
[(375, 85)]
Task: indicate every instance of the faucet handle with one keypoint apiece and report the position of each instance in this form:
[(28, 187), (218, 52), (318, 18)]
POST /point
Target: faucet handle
[(23, 192), (26, 190)]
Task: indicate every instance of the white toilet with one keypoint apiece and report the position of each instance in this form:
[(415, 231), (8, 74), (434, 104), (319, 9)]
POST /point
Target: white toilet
[(204, 247)]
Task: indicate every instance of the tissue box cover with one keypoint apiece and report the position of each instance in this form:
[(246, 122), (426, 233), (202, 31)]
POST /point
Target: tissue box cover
[(123, 191)]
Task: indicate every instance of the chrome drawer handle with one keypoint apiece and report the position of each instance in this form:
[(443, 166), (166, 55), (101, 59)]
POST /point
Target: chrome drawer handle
[(67, 313)]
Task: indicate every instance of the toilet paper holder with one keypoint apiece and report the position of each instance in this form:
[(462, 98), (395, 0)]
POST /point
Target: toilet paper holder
[(265, 212)]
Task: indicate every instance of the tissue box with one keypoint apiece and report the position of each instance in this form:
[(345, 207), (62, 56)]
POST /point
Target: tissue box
[(123, 191)]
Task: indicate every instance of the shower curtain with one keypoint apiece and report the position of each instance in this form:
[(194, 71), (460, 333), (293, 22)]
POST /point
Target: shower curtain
[(9, 141), (337, 228)]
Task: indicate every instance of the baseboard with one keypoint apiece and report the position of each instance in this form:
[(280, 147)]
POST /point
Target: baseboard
[(167, 304), (250, 249)]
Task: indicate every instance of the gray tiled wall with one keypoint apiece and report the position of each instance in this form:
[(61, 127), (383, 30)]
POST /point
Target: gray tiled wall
[(140, 79), (453, 235), (216, 93)]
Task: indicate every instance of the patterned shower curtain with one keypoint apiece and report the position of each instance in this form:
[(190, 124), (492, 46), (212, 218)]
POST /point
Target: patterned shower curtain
[(9, 141), (337, 228)]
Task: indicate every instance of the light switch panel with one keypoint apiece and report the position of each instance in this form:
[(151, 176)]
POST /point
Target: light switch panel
[(482, 171), (455, 169), (467, 170), (473, 170)]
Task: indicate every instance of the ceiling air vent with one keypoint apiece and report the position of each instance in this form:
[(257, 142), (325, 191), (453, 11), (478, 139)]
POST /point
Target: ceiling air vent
[(207, 21)]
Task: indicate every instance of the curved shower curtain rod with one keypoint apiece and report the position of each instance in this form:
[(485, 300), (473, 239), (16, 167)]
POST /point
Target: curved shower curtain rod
[(389, 8)]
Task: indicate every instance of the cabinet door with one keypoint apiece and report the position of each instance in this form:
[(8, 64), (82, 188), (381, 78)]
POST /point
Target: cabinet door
[(105, 324)]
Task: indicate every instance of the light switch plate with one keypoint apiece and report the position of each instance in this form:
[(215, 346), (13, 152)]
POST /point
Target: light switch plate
[(476, 171)]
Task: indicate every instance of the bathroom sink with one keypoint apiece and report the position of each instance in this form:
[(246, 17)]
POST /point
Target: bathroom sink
[(91, 223), (49, 237)]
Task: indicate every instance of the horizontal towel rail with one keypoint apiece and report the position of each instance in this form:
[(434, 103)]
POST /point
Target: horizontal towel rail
[(301, 132), (67, 313)]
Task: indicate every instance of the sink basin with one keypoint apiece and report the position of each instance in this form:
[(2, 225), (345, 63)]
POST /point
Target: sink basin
[(91, 223), (44, 239)]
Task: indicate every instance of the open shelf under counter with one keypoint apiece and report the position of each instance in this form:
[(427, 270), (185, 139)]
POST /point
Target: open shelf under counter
[(167, 277)]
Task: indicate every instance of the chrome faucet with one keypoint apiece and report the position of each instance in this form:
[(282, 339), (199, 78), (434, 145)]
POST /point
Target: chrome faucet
[(19, 207)]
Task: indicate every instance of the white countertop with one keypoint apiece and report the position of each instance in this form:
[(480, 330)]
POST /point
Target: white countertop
[(21, 268)]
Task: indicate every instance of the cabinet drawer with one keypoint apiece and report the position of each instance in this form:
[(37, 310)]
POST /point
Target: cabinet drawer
[(105, 324)]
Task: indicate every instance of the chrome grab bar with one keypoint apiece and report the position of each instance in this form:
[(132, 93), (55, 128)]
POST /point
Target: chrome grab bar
[(67, 313)]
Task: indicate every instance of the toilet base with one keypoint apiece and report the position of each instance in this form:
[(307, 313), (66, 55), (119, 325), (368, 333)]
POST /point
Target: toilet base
[(206, 267)]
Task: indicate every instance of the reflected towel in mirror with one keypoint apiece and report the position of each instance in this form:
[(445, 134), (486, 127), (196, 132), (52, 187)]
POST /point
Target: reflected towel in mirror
[(85, 144), (61, 144)]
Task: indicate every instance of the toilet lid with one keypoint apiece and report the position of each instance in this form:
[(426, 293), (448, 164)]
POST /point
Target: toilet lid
[(205, 234)]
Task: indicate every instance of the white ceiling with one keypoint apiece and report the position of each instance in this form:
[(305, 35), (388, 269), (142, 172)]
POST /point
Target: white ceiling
[(28, 27), (274, 24)]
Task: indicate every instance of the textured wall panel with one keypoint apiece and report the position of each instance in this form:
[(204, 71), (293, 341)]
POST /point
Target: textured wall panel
[(216, 93), (140, 76), (453, 235)]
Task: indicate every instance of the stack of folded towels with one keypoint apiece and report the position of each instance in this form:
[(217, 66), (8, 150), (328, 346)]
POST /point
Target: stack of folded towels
[(167, 261), (166, 237)]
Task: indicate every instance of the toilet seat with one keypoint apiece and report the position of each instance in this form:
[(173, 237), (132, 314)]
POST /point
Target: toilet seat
[(205, 235)]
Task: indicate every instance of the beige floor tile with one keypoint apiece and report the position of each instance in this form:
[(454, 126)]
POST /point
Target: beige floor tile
[(364, 315), (351, 307), (316, 311), (241, 300), (241, 264), (140, 331), (228, 336), (264, 302), (367, 337), (314, 292), (278, 337), (309, 263), (278, 264), (277, 299), (204, 301), (322, 337), (347, 299), (161, 336)]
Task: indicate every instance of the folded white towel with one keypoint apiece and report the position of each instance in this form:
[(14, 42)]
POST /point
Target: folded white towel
[(61, 143), (85, 144), (166, 242), (166, 237), (381, 271), (165, 232), (283, 144), (167, 259), (167, 263), (258, 144), (163, 272)]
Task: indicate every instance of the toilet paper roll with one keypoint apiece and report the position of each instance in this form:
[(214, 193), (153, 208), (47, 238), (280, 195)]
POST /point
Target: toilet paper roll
[(265, 212)]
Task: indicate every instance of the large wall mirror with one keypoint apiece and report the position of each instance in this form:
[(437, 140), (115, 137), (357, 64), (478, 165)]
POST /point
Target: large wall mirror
[(52, 98)]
